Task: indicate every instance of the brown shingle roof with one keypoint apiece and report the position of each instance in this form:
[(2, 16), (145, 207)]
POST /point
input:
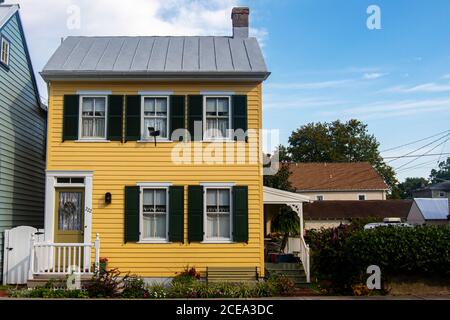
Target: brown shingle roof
[(335, 176), (341, 209)]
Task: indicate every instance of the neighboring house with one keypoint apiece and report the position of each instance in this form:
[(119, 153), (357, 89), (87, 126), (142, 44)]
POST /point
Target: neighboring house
[(438, 190), (337, 181), (22, 131), (330, 214), (114, 163), (429, 211)]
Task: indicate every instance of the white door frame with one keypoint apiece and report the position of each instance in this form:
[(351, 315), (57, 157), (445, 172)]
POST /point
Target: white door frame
[(50, 185)]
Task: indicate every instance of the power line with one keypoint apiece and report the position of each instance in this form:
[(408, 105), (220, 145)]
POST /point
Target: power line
[(425, 153), (424, 146), (410, 143), (419, 155)]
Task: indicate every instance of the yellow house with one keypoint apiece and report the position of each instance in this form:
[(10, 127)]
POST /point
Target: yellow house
[(154, 150)]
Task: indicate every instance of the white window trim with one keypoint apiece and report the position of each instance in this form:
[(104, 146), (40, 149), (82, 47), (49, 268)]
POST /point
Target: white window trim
[(361, 194), (80, 122), (4, 40), (229, 130), (158, 139), (141, 214), (205, 220)]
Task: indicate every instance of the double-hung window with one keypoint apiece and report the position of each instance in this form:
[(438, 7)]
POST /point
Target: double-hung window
[(154, 214), (4, 54), (155, 115), (217, 117), (218, 214), (93, 117)]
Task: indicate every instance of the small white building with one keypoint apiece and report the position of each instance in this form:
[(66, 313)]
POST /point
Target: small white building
[(429, 211)]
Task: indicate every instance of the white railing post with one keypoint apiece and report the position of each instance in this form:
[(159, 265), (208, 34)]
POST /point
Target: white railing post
[(97, 252), (31, 261)]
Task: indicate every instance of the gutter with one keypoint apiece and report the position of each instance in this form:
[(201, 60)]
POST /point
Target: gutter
[(154, 76)]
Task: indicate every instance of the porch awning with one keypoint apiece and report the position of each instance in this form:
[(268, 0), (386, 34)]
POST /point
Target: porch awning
[(277, 196)]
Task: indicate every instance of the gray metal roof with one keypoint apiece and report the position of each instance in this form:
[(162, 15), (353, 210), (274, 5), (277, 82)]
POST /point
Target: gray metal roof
[(6, 12), (157, 57), (433, 209)]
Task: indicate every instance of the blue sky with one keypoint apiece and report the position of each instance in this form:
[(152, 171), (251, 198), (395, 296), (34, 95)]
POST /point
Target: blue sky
[(325, 63)]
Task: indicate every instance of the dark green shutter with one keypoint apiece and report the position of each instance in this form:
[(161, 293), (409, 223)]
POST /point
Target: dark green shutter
[(115, 117), (239, 111), (133, 118), (240, 214), (195, 213), (70, 114), (132, 214), (176, 114), (195, 111), (176, 214)]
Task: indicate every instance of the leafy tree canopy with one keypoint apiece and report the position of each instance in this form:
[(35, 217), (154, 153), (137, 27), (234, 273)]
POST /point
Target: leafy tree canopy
[(442, 173), (409, 185), (340, 142)]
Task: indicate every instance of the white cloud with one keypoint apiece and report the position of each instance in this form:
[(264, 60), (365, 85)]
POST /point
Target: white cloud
[(45, 21), (431, 87), (374, 75), (391, 109), (446, 76), (312, 85)]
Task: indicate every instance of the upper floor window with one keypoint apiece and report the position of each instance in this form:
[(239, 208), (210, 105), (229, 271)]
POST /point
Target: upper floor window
[(93, 117), (4, 54), (442, 194), (218, 214), (319, 197), (155, 115), (361, 197), (154, 214), (217, 117)]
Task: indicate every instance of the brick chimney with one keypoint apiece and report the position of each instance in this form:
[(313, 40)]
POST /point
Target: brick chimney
[(239, 15)]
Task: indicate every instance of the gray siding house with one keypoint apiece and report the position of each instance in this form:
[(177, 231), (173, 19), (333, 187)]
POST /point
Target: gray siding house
[(22, 131)]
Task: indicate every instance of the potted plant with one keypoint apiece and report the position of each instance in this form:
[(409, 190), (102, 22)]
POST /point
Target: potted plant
[(287, 223)]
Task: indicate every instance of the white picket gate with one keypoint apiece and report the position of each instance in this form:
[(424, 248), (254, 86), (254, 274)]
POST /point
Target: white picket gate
[(16, 258)]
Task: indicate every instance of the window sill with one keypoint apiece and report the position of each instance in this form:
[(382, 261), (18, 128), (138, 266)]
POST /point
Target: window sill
[(153, 242), (153, 141), (218, 241), (92, 140)]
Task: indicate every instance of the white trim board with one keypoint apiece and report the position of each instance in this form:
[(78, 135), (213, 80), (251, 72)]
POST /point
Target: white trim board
[(155, 93), (94, 92), (14, 8)]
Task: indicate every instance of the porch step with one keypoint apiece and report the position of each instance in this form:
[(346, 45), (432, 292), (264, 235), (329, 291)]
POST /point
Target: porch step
[(294, 271)]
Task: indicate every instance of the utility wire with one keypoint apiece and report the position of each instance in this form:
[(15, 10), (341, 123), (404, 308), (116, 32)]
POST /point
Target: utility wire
[(425, 153), (419, 155), (424, 146), (414, 142)]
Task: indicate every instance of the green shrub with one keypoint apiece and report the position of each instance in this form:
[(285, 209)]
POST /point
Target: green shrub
[(157, 291), (340, 256), (134, 287), (43, 292), (107, 284), (188, 276)]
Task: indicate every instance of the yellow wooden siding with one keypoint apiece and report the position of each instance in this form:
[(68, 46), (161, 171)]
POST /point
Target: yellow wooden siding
[(117, 165)]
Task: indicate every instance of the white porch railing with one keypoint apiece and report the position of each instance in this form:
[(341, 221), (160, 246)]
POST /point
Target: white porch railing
[(63, 258), (299, 246)]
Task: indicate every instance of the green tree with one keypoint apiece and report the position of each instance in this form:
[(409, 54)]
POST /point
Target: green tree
[(409, 185), (442, 173), (340, 142), (280, 179)]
